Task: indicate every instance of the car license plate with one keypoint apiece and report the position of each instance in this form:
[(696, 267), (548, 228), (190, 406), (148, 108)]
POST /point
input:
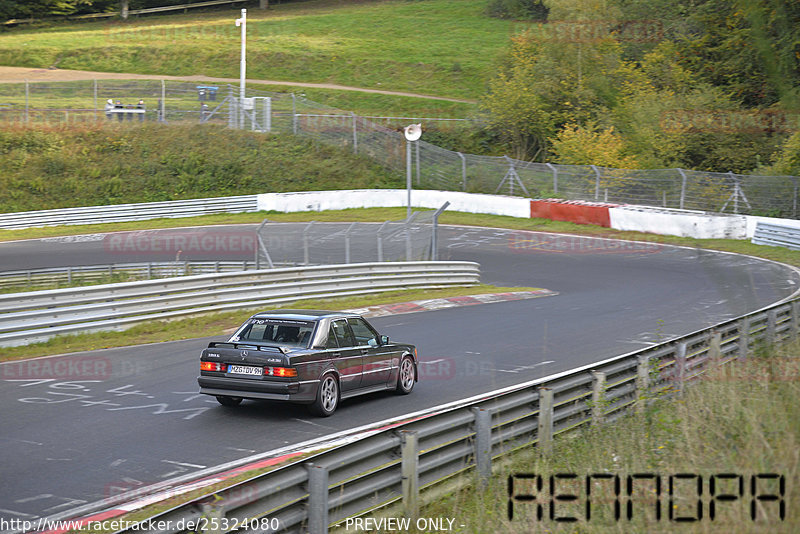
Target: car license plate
[(245, 370)]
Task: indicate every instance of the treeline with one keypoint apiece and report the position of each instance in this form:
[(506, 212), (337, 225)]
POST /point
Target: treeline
[(703, 84)]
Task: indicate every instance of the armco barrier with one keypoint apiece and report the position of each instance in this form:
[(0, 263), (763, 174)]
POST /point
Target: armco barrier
[(384, 472), (128, 212), (39, 315), (777, 236), (89, 273)]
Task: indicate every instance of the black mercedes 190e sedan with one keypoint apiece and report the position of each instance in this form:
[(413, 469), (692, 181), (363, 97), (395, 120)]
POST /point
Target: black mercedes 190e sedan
[(308, 357)]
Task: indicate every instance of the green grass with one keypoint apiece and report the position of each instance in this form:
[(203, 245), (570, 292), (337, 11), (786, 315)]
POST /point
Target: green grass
[(435, 47), (743, 419), (222, 323)]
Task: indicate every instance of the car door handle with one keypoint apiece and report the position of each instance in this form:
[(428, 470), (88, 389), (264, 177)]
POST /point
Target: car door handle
[(364, 351), (337, 354)]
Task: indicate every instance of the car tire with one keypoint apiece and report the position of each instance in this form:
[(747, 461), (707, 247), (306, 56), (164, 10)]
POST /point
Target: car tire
[(229, 401), (327, 396), (406, 376)]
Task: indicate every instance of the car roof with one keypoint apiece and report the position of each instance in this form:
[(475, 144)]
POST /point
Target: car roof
[(301, 315)]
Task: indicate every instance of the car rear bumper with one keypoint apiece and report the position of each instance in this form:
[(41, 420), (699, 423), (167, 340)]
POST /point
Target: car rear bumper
[(252, 389)]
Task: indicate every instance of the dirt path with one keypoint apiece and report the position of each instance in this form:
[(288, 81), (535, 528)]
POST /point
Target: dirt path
[(21, 74)]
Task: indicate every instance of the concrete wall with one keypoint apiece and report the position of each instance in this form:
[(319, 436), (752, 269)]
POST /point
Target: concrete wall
[(386, 198)]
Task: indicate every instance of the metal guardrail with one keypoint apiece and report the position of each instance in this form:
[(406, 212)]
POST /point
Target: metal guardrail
[(383, 473), (94, 273), (129, 212), (129, 12), (776, 235), (39, 315)]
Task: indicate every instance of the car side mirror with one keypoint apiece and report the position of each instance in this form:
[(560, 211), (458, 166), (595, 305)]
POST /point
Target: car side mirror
[(384, 340)]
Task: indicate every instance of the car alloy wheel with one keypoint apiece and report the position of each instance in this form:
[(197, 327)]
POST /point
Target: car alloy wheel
[(405, 381), (327, 396)]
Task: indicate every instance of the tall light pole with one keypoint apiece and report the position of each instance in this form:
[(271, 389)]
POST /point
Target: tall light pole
[(412, 133), (242, 65)]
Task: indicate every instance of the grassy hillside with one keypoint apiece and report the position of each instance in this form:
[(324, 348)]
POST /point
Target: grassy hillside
[(436, 47), (66, 166)]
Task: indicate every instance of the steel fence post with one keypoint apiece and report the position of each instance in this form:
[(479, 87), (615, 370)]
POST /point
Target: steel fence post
[(163, 101), (555, 177), (596, 182), (410, 473), (380, 240), (683, 188), (306, 252), (642, 381), (69, 275), (355, 133), (409, 251), (680, 365), (416, 150), (545, 422), (483, 444), (435, 233), (317, 498), (598, 396), (463, 171), (347, 242), (294, 114)]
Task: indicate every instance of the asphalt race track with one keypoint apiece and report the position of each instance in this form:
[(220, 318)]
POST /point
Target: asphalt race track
[(115, 420)]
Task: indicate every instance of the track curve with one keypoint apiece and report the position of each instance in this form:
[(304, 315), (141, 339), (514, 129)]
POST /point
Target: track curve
[(121, 419)]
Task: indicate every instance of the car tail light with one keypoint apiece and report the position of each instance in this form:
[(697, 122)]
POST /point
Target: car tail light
[(213, 366), (284, 372)]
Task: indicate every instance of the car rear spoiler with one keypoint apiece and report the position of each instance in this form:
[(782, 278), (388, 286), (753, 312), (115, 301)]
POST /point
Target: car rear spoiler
[(251, 346)]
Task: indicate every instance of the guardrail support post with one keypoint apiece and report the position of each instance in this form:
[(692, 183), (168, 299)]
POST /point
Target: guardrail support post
[(483, 444), (715, 349), (317, 498), (598, 396), (772, 323), (410, 473), (215, 516), (794, 322), (545, 430), (642, 382), (744, 337), (680, 365)]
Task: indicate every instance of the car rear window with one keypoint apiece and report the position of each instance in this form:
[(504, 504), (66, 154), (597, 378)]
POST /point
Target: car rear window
[(281, 332)]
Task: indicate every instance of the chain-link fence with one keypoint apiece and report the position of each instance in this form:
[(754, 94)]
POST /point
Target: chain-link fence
[(316, 243), (432, 167)]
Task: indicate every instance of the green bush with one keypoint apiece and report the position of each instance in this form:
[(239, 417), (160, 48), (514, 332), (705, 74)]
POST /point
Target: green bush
[(95, 164)]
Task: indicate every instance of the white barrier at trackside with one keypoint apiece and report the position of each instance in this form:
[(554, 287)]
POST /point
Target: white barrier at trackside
[(388, 198), (683, 223)]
